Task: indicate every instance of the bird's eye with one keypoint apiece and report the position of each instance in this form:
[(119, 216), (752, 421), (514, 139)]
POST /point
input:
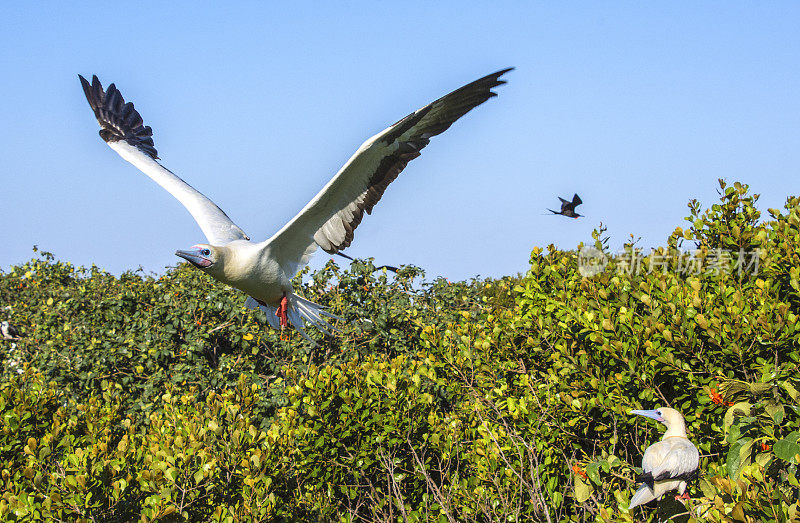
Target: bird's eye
[(206, 252)]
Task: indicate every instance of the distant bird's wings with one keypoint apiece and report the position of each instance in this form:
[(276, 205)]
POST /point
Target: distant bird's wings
[(125, 132), (576, 200), (331, 217), (669, 458), (387, 267), (343, 255)]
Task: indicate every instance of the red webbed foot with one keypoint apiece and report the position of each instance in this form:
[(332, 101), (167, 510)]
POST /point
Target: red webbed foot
[(283, 308)]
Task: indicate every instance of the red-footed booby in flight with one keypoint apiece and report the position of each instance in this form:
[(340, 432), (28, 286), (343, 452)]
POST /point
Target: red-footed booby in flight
[(264, 270), (668, 464)]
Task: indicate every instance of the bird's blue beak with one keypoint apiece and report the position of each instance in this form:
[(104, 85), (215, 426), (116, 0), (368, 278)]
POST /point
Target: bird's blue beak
[(195, 257), (648, 414)]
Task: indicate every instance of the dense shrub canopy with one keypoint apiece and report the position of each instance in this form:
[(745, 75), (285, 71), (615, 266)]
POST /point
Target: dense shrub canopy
[(161, 397)]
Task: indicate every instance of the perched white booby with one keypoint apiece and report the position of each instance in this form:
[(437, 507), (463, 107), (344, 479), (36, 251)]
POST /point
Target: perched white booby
[(668, 464), (8, 331), (264, 270)]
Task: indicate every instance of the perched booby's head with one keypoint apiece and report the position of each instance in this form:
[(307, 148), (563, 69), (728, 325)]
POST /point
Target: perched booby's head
[(669, 417), (201, 256)]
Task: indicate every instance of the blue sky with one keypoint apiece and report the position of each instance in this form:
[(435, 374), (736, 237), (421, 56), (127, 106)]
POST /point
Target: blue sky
[(637, 106)]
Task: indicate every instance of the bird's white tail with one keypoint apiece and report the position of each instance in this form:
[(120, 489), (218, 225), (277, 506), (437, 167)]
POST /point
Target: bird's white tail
[(645, 494), (642, 496), (299, 309)]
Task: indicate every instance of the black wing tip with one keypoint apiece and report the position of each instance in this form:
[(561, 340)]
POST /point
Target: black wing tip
[(87, 91), (490, 81), (479, 90), (647, 479), (120, 121), (94, 92), (496, 76)]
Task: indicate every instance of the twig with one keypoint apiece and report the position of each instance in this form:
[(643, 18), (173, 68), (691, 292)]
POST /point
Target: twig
[(436, 492), (393, 482), (218, 327)]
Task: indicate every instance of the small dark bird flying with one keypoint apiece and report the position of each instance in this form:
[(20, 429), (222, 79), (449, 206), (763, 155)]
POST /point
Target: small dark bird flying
[(568, 208)]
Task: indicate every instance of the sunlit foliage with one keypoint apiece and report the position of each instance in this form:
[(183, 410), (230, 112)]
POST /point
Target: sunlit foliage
[(161, 398)]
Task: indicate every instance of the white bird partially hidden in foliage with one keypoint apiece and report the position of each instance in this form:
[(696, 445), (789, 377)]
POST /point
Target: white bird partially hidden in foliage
[(264, 270), (668, 464), (8, 331)]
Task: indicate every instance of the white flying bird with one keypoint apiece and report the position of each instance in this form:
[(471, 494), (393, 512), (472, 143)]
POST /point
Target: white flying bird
[(668, 464), (264, 270)]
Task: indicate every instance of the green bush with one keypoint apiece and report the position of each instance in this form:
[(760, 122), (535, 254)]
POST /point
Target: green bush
[(85, 328), (162, 398)]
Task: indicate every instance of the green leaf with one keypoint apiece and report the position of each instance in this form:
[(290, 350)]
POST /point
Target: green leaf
[(733, 434), (734, 461), (583, 490), (171, 474), (707, 488), (760, 388), (788, 447), (778, 414), (793, 393), (593, 471), (739, 409)]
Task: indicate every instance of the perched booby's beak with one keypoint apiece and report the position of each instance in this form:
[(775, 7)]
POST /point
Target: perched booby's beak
[(654, 414), (196, 256)]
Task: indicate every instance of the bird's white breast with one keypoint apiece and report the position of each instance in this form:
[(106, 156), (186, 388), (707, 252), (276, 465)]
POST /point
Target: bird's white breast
[(250, 268)]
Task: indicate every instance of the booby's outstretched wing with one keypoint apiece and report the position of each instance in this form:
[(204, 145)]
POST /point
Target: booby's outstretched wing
[(125, 132), (331, 217)]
